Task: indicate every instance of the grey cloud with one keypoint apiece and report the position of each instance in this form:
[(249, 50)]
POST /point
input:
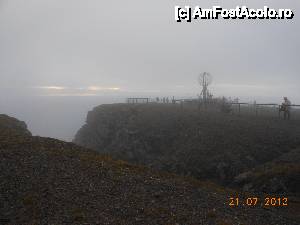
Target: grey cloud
[(138, 46)]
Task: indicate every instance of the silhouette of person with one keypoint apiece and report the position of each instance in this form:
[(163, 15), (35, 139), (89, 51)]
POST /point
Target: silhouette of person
[(286, 108)]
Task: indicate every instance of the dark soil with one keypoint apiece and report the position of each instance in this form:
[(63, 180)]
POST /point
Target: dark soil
[(46, 181)]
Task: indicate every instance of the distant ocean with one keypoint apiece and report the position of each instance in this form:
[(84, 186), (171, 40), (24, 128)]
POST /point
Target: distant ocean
[(56, 117)]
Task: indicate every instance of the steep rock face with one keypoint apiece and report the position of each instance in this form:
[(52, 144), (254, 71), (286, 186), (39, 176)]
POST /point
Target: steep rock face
[(10, 124), (205, 145)]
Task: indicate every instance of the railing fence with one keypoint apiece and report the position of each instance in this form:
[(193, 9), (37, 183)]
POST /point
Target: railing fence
[(235, 107)]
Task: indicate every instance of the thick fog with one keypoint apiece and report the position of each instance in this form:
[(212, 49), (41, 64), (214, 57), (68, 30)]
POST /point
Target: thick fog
[(60, 58)]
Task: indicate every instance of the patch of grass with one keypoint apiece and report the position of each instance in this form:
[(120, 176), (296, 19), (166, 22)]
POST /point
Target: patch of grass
[(77, 214), (281, 170), (29, 200), (211, 214), (156, 212), (223, 222)]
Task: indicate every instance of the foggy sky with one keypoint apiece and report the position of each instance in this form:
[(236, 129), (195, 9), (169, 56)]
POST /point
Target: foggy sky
[(138, 46), (65, 48)]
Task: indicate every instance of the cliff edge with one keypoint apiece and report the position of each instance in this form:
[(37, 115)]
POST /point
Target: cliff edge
[(206, 145)]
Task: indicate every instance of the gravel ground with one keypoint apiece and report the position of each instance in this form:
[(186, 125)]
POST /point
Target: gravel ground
[(46, 181)]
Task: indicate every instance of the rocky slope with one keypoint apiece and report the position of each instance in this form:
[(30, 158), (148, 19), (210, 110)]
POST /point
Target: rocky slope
[(10, 124), (281, 175), (46, 181), (205, 145)]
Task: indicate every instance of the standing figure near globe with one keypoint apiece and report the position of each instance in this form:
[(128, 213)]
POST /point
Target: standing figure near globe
[(286, 108)]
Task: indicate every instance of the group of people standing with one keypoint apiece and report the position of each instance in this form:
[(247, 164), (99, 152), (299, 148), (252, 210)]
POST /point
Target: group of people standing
[(165, 100)]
